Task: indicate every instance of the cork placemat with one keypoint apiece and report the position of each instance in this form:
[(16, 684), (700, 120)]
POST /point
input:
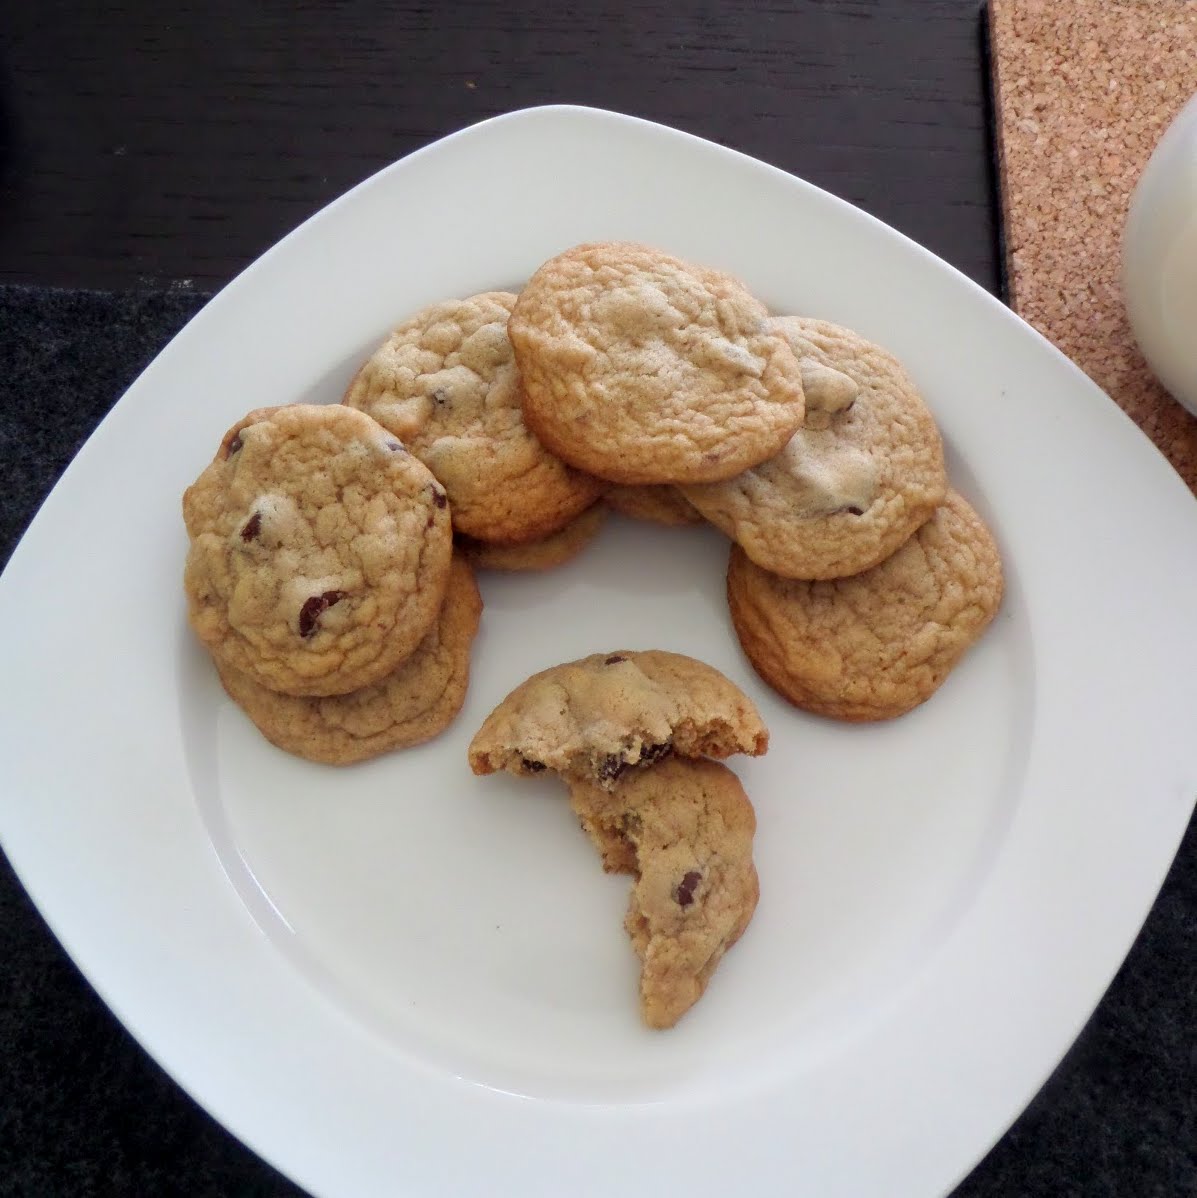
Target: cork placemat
[(1083, 91)]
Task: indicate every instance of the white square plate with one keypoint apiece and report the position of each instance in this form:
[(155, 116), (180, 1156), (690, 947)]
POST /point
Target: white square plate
[(400, 979)]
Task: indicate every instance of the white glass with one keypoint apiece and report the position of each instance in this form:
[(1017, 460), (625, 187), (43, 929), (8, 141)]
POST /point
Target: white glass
[(1159, 259)]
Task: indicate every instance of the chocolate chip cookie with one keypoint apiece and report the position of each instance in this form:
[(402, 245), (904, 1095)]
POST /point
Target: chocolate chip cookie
[(445, 383), (641, 368), (685, 830), (598, 718), (872, 646), (850, 487), (319, 550), (412, 705)]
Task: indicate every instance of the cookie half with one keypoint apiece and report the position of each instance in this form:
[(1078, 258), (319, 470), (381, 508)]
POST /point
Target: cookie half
[(850, 487), (319, 550), (877, 644), (412, 705), (597, 718), (445, 383), (685, 830), (641, 368)]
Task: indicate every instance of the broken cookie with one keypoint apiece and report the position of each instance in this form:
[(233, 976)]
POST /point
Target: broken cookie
[(598, 718), (684, 829)]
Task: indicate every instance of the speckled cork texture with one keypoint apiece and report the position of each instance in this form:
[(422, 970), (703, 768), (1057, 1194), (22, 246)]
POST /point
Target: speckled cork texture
[(1083, 91)]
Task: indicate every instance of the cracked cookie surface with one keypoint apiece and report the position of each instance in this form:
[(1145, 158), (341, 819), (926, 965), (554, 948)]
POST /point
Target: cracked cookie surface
[(601, 716), (850, 487), (554, 550), (445, 383), (877, 644), (641, 368), (319, 550), (685, 830), (414, 704)]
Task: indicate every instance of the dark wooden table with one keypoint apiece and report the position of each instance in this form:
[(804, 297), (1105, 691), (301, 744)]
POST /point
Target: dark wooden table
[(149, 144), (160, 148)]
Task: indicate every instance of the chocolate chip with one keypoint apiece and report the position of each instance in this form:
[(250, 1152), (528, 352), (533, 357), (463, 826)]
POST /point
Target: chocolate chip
[(234, 445), (686, 888), (854, 511), (439, 497), (533, 767), (253, 526), (611, 767), (651, 753), (440, 397), (396, 447), (615, 657), (314, 608)]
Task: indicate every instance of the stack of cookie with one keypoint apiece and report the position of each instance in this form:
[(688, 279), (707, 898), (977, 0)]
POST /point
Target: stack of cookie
[(321, 577), (619, 377), (857, 579), (631, 735)]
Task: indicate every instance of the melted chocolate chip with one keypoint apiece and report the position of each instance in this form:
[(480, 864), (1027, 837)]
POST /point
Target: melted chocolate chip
[(234, 445), (651, 753), (615, 657), (533, 767), (314, 608), (439, 497), (854, 511), (686, 888), (611, 767), (396, 447), (253, 526)]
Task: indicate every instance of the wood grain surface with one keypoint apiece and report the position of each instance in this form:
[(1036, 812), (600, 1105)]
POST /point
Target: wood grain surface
[(148, 144)]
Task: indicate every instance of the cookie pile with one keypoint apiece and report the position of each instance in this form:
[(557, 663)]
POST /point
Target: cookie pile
[(631, 734), (857, 578), (330, 568), (322, 579)]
